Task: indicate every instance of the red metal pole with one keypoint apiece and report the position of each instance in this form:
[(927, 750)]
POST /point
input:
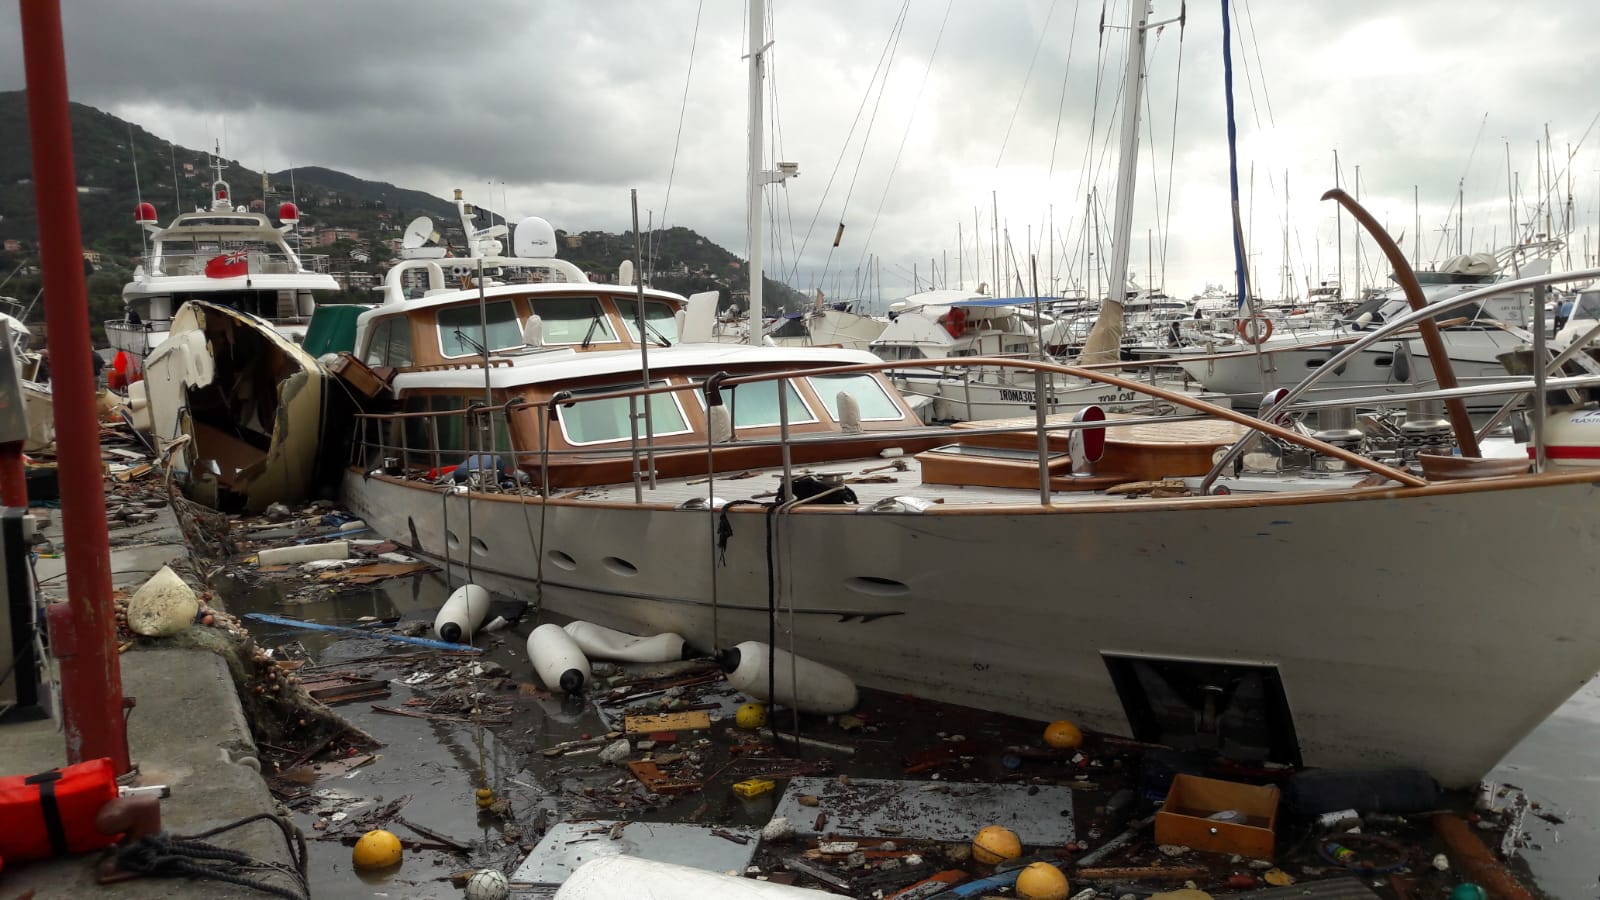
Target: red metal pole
[(91, 677)]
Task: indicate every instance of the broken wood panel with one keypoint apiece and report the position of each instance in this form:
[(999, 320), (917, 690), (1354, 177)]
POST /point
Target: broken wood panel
[(645, 723)]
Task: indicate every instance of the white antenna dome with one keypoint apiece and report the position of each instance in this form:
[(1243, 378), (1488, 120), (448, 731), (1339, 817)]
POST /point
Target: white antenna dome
[(534, 239)]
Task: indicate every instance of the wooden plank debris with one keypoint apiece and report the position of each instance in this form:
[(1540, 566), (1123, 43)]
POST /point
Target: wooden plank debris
[(645, 723)]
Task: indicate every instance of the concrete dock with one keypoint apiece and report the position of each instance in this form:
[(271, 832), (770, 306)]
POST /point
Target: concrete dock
[(187, 731)]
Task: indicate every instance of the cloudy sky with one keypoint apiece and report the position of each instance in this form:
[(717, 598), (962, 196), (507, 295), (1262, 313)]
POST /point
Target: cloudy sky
[(910, 121)]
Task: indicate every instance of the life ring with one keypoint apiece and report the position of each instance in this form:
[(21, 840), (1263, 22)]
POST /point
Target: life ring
[(1253, 333), (955, 321)]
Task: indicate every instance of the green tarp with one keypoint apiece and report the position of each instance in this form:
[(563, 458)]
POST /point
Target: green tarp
[(333, 328)]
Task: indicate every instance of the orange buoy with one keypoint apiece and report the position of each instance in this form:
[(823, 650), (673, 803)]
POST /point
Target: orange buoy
[(996, 844), (1063, 735)]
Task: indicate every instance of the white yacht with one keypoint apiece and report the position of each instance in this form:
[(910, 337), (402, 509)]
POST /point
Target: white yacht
[(223, 254)]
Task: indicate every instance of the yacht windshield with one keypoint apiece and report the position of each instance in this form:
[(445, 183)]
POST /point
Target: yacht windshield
[(660, 321), (461, 328), (876, 404), (573, 320)]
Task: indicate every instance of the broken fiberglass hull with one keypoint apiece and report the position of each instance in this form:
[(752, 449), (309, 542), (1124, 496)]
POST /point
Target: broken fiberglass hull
[(245, 398)]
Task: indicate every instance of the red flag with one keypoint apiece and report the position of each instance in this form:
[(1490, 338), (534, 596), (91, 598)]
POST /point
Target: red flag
[(228, 265)]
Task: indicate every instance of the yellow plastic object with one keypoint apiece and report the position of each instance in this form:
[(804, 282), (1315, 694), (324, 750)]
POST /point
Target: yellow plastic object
[(754, 787), (377, 849), (751, 716), (1063, 735), (995, 845), (485, 798), (1042, 881)]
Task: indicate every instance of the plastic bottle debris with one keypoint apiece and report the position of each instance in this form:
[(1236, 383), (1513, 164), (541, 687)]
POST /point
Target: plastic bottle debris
[(821, 689), (557, 659), (600, 642), (616, 752), (1339, 819), (461, 614)]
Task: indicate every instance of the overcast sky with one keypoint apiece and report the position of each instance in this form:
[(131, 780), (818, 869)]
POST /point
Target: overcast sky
[(558, 108)]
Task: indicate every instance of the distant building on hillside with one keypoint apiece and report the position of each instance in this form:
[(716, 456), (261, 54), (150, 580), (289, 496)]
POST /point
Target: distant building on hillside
[(92, 257), (329, 235), (13, 245)]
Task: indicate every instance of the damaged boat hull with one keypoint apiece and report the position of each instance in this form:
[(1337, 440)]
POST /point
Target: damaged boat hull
[(1400, 661), (241, 395)]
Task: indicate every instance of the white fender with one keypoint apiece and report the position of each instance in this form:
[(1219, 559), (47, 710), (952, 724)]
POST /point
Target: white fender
[(557, 659), (822, 690), (600, 642), (462, 614)]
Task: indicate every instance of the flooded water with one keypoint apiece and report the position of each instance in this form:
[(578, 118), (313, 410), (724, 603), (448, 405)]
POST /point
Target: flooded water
[(440, 764)]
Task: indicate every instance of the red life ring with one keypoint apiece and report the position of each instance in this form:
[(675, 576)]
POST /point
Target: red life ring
[(955, 321), (1252, 333)]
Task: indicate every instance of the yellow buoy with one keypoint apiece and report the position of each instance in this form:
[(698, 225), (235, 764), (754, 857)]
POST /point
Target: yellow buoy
[(1042, 881), (751, 716), (485, 798), (377, 849), (1063, 735), (996, 844)]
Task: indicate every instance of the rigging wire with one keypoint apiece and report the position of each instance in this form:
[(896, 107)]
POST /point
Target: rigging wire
[(1061, 103), (1043, 31), (866, 138), (887, 54), (915, 104), (1172, 151), (677, 141)]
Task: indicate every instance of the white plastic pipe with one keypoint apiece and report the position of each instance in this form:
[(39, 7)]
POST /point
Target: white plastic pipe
[(299, 553)]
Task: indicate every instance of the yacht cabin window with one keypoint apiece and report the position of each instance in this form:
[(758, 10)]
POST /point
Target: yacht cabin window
[(461, 328), (660, 320), (449, 433), (605, 421), (573, 320), (755, 404), (390, 344), (876, 404)]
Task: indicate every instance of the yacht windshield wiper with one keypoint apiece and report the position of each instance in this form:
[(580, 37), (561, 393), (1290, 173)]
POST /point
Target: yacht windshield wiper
[(658, 335), (588, 336)]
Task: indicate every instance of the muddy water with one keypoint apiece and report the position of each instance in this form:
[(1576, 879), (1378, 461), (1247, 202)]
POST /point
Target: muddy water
[(441, 764)]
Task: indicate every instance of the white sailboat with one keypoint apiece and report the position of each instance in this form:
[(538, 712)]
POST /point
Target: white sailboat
[(1185, 581)]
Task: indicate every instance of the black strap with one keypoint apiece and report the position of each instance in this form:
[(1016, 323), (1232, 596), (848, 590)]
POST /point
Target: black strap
[(50, 809)]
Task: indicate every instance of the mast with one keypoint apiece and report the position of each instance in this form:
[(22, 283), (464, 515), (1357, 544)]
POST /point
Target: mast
[(1357, 227), (1104, 342), (757, 184), (1338, 228)]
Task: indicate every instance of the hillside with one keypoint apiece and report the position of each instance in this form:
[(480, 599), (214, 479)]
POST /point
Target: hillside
[(106, 149)]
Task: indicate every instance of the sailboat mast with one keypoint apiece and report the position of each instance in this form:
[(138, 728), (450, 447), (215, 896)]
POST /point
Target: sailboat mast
[(1127, 164), (1104, 342), (756, 183), (1338, 228)]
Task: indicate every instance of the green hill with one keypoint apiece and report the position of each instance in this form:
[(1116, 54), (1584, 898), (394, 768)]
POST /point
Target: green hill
[(108, 150)]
